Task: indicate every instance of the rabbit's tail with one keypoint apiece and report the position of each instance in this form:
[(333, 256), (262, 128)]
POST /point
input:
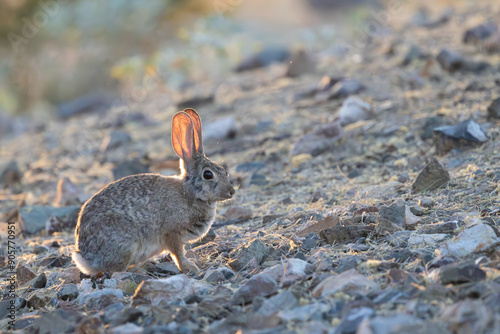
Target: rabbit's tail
[(82, 264)]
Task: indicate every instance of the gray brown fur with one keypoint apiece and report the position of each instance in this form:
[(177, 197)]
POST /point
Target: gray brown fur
[(139, 216)]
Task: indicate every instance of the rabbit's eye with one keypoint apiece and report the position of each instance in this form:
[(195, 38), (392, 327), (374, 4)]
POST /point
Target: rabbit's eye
[(207, 175)]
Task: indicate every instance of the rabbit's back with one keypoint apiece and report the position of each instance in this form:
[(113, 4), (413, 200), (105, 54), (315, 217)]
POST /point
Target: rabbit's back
[(126, 221)]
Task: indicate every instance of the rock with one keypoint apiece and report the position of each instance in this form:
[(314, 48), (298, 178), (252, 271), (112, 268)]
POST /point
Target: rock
[(426, 240), (468, 316), (168, 268), (344, 88), (353, 319), (478, 33), (115, 139), (395, 213), (413, 53), (33, 218), (445, 227), (259, 285), (67, 291), (354, 109), (477, 238), (129, 168), (400, 323), (289, 271), (98, 300), (410, 219), (57, 321), (493, 110), (466, 134), (347, 263), (222, 128), (310, 242), (327, 222), (458, 273), (283, 301), (430, 124), (129, 328), (426, 202), (238, 212), (397, 239), (23, 275), (348, 282), (214, 276), (319, 140), (40, 281), (452, 62), (241, 256), (40, 298), (92, 102), (67, 193), (269, 55), (10, 175), (259, 180), (39, 249), (66, 276), (385, 227), (166, 290), (55, 261), (341, 234), (54, 224), (300, 63), (8, 308), (432, 177), (417, 210)]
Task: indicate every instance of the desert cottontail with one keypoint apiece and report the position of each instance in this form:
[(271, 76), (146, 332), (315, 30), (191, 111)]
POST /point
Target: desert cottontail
[(139, 216)]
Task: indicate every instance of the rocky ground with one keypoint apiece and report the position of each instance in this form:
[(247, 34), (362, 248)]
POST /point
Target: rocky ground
[(367, 195)]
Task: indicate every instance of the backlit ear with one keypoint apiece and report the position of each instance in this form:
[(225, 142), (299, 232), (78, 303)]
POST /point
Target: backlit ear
[(198, 138), (183, 136)]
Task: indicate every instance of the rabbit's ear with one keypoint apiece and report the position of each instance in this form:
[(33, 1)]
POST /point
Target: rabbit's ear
[(198, 139), (183, 136)]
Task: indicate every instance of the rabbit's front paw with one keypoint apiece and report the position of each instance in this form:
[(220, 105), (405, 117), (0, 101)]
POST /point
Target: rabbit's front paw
[(189, 266)]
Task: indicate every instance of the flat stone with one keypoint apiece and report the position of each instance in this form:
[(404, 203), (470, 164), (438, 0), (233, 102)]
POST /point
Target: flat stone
[(168, 268), (65, 276), (354, 109), (23, 275), (432, 177), (40, 298), (347, 282), (342, 234), (395, 212), (300, 63), (67, 292), (167, 290), (401, 323), (259, 285), (317, 227), (458, 273), (417, 210), (40, 281), (474, 239), (57, 321), (426, 240), (285, 300), (291, 270), (444, 227), (353, 319), (397, 239), (34, 217), (464, 135), (238, 212), (241, 256)]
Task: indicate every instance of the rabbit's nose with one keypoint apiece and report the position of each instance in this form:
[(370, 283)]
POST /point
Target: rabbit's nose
[(231, 191)]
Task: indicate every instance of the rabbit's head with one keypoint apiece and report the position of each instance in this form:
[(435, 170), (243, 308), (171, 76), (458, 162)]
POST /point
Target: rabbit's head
[(205, 179)]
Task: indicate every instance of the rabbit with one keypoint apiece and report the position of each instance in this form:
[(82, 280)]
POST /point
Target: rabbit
[(139, 216)]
